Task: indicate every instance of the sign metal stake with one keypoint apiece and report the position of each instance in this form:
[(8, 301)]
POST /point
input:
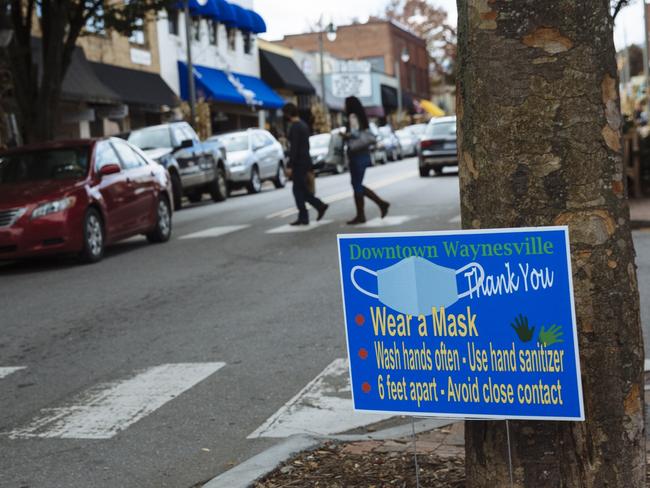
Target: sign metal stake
[(415, 455), (512, 483)]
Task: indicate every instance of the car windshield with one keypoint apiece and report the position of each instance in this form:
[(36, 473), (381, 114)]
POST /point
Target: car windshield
[(319, 141), (151, 138), (235, 142), (44, 164), (441, 129)]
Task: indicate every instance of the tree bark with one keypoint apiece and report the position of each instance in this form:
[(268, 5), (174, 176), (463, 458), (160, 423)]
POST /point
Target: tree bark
[(540, 144)]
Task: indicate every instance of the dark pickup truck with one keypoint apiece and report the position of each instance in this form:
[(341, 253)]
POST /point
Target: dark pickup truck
[(196, 167)]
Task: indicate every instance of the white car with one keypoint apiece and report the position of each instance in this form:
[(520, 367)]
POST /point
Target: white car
[(252, 157), (409, 142)]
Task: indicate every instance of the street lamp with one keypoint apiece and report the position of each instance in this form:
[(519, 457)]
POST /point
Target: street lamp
[(405, 58), (330, 31)]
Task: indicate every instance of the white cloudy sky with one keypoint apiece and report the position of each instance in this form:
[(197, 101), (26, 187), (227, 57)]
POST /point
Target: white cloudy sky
[(294, 16)]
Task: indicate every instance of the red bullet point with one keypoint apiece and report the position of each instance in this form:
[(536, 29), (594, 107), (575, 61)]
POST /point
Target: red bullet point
[(366, 387), (359, 319), (363, 354)]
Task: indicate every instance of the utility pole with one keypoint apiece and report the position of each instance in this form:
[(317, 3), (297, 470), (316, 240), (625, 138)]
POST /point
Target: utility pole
[(190, 67)]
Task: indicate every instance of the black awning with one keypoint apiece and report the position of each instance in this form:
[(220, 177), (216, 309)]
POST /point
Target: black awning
[(135, 87), (282, 72), (388, 97), (80, 81)]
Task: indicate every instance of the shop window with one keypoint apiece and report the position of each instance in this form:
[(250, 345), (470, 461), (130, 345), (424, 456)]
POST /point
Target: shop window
[(138, 35), (248, 43), (213, 29), (196, 29), (172, 21), (232, 36), (95, 24)]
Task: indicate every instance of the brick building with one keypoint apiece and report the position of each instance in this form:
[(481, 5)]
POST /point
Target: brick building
[(381, 43)]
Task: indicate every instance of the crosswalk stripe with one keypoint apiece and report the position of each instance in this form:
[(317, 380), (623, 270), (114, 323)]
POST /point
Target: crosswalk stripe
[(103, 411), (285, 229), (6, 371), (343, 195), (388, 221), (322, 407), (214, 231)]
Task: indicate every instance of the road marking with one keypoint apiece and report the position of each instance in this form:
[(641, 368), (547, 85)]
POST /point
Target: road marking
[(646, 365), (214, 231), (105, 410), (322, 407), (288, 228), (387, 221), (343, 195), (455, 220), (4, 372)]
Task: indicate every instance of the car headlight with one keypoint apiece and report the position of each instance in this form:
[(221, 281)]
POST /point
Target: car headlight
[(53, 207)]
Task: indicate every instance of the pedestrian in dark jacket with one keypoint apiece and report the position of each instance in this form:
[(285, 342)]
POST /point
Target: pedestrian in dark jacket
[(360, 159), (300, 166)]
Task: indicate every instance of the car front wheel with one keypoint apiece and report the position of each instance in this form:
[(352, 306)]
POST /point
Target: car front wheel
[(218, 186), (93, 235), (255, 183), (163, 229)]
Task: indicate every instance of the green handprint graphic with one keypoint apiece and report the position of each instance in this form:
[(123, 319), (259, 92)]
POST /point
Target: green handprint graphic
[(520, 326), (550, 336)]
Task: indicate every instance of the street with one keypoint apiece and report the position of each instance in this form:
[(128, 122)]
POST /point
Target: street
[(227, 321)]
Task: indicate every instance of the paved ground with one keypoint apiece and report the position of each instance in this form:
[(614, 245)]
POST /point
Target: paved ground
[(151, 368)]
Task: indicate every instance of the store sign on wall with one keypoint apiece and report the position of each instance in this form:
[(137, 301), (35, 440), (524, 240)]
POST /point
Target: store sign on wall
[(474, 324)]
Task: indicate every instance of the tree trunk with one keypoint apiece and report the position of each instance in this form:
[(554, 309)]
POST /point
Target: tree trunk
[(539, 136)]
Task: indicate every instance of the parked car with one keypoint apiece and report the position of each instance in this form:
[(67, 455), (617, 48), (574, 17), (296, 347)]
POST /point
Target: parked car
[(195, 167), (438, 146), (252, 157), (323, 155), (79, 196), (417, 129), (378, 153), (390, 142), (408, 142)]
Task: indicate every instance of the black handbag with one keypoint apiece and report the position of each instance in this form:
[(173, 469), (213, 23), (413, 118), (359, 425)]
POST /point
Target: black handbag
[(362, 142)]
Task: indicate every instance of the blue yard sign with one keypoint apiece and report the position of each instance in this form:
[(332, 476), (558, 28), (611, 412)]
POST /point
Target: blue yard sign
[(474, 324)]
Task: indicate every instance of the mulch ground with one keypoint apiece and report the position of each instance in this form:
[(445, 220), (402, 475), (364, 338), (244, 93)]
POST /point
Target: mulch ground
[(335, 465)]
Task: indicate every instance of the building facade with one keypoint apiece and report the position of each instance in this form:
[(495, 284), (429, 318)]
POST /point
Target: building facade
[(225, 58), (382, 44)]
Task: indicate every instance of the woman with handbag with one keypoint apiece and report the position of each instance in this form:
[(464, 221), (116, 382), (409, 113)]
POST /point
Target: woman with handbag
[(360, 141)]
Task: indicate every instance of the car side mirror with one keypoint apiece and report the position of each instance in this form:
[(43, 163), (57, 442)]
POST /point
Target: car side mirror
[(186, 143), (109, 169)]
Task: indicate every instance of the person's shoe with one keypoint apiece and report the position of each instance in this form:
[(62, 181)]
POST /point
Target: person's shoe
[(383, 208), (321, 211), (356, 221), (299, 222)]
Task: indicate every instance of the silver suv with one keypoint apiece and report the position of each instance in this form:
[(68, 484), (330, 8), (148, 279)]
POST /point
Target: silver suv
[(252, 157)]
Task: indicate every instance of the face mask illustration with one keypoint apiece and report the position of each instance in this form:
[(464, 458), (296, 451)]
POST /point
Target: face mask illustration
[(415, 285)]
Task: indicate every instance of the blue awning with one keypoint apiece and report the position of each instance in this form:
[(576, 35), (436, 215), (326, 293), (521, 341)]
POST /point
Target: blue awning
[(230, 14), (242, 18), (214, 84), (259, 25)]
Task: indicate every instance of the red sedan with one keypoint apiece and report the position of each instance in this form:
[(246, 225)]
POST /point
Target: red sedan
[(78, 196)]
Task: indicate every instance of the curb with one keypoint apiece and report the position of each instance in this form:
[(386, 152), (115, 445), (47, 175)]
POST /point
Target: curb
[(244, 474)]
